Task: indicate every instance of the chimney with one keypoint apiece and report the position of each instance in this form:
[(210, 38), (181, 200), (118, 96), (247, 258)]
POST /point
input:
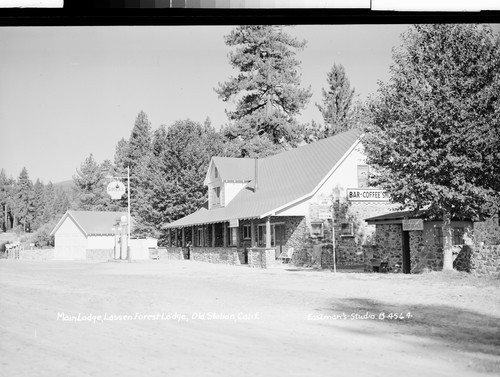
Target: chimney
[(256, 174)]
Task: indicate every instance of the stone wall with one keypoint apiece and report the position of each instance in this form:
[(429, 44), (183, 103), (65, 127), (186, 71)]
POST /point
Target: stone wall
[(485, 260), (479, 260), (99, 254), (261, 257), (389, 248), (424, 254), (36, 254), (224, 255)]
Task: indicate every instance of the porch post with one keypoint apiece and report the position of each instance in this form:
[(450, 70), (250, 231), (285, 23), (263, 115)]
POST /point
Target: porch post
[(238, 236), (170, 237), (268, 232), (183, 237), (224, 234), (213, 235), (252, 233)]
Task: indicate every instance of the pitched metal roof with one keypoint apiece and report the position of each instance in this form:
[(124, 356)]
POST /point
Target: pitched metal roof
[(283, 180), (92, 222), (234, 169)]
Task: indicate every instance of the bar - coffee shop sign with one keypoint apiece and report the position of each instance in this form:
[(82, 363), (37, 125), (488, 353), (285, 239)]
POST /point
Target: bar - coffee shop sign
[(367, 195)]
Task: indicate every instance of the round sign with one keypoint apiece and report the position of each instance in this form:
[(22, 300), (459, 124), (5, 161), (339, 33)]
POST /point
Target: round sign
[(115, 189)]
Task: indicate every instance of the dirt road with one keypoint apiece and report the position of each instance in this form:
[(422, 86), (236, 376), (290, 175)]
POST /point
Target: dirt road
[(197, 319)]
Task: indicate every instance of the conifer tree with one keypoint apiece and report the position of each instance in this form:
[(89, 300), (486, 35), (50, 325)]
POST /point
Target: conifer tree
[(267, 88), (337, 101), (23, 200)]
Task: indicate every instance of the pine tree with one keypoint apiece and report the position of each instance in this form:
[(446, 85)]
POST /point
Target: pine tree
[(171, 179), (62, 202), (23, 200), (139, 144), (37, 205), (90, 185), (5, 190), (337, 101), (267, 89), (49, 199)]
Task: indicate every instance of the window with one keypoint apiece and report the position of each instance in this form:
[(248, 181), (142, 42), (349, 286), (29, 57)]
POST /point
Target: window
[(233, 238), (438, 236), (346, 229), (363, 171), (216, 196), (458, 236), (216, 172), (317, 229), (199, 238), (247, 234)]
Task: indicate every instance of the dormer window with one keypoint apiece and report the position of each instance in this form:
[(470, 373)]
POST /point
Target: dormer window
[(216, 196), (216, 172)]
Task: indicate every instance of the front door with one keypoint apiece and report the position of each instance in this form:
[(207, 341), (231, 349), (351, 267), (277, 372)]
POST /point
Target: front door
[(278, 238), (406, 252)]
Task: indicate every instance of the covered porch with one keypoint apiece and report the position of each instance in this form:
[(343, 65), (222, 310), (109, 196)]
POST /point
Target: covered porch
[(238, 241)]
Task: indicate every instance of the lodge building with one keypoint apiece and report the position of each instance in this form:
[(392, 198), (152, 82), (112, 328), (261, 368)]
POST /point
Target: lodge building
[(285, 207)]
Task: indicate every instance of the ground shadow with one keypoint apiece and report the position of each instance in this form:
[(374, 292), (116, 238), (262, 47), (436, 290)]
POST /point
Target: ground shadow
[(462, 329)]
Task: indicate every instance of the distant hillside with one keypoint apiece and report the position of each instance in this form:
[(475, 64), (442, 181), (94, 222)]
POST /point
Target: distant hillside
[(66, 185)]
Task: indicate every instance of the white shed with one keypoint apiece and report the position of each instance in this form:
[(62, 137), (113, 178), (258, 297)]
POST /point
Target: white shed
[(79, 232)]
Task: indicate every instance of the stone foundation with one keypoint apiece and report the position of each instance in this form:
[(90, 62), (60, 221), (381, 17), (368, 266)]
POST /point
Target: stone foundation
[(261, 257), (223, 255)]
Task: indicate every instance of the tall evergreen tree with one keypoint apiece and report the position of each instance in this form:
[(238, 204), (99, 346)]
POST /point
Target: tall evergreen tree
[(129, 153), (49, 198), (90, 186), (37, 204), (434, 134), (5, 192), (62, 202), (23, 200), (171, 180), (267, 89), (337, 100)]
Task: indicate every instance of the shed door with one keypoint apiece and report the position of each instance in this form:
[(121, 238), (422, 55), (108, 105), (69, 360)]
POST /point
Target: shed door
[(406, 252)]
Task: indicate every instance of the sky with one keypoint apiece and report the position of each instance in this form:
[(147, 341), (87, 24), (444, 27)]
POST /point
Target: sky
[(67, 92)]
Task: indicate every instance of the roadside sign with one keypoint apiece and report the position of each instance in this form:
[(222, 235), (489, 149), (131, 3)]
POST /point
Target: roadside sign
[(115, 189), (413, 224), (234, 223)]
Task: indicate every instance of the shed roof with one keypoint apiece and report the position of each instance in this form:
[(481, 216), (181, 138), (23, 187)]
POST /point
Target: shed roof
[(403, 215), (283, 180), (92, 222)]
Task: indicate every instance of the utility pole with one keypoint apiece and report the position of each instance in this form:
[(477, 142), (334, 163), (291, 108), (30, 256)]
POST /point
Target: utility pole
[(333, 237), (128, 213)]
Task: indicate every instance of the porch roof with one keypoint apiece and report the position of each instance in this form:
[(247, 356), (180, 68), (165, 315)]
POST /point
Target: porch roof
[(284, 180)]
